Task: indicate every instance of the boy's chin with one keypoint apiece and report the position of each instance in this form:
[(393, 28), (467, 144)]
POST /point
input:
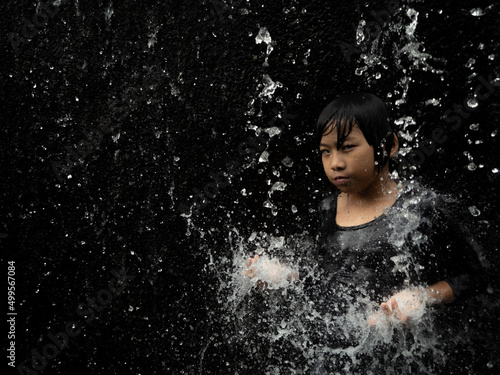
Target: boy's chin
[(343, 185), (344, 189)]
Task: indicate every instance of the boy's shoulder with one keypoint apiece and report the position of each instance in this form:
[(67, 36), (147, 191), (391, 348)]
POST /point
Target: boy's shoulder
[(416, 197)]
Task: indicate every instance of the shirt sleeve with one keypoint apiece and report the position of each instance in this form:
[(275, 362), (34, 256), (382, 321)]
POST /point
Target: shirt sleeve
[(451, 253)]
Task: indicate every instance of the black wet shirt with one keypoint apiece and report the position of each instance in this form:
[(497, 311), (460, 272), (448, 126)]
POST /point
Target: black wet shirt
[(416, 242)]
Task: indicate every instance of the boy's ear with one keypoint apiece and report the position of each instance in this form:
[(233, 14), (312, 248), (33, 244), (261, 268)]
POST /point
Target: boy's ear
[(395, 146)]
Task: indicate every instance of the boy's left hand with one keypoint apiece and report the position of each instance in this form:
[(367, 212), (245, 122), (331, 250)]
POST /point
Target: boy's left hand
[(403, 306), (410, 304)]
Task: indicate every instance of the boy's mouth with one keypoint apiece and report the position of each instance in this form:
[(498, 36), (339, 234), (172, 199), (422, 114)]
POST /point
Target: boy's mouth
[(340, 180)]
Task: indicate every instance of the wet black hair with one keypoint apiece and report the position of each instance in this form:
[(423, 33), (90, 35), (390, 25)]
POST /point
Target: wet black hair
[(367, 111)]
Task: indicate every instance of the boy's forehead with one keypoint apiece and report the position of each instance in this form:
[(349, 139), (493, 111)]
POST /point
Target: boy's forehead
[(332, 133)]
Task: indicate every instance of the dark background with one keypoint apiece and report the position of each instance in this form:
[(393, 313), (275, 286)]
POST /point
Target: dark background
[(176, 111)]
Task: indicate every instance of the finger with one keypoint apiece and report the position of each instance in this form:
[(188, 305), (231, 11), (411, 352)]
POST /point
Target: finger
[(261, 284), (249, 262), (385, 308), (250, 273), (373, 320), (292, 276), (402, 316), (394, 304), (398, 315)]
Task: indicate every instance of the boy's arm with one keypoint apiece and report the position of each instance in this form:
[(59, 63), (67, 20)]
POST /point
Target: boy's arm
[(440, 292), (456, 254), (410, 303)]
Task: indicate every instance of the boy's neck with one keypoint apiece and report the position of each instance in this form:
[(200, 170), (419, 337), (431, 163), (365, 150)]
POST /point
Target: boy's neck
[(381, 191), (356, 209)]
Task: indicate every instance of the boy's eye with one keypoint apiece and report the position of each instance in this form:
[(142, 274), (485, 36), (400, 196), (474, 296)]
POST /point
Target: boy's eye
[(347, 147), (323, 151)]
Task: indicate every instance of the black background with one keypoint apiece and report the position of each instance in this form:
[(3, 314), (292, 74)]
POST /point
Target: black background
[(120, 208)]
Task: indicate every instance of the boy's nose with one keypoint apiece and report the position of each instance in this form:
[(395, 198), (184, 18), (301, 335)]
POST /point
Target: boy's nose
[(337, 163)]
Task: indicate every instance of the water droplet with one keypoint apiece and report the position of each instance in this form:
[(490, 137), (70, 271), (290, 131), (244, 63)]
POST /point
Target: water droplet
[(264, 157), (474, 211), (263, 36), (433, 101), (470, 63), (360, 36), (477, 12), (269, 86), (268, 204), (359, 71), (287, 162), (474, 127), (273, 131), (472, 103), (280, 186), (495, 170)]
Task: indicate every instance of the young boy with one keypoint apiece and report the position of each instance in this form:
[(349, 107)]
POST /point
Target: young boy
[(381, 241), (356, 143)]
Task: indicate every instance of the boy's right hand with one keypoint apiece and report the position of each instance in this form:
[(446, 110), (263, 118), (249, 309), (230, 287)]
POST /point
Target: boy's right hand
[(251, 271), (269, 272)]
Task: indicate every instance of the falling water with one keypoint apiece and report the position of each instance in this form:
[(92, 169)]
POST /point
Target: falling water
[(281, 328), (173, 140), (291, 326)]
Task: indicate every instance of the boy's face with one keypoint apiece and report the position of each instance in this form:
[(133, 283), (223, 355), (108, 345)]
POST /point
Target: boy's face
[(351, 168)]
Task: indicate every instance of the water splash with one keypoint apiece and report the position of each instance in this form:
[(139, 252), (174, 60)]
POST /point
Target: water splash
[(408, 53), (269, 86), (264, 37), (307, 325), (474, 211)]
